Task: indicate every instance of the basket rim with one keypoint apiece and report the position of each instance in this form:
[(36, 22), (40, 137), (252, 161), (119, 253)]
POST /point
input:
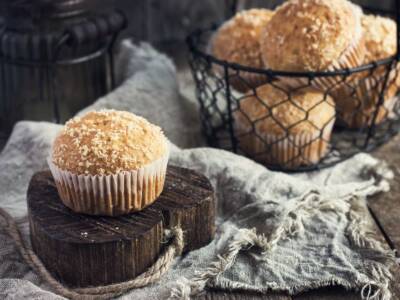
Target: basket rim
[(193, 43)]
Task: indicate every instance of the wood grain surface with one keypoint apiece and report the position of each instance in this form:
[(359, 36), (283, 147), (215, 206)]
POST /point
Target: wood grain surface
[(386, 206), (82, 250)]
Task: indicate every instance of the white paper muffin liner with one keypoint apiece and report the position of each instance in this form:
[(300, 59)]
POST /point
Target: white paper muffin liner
[(368, 92), (363, 117), (291, 151), (351, 58), (376, 80), (111, 195)]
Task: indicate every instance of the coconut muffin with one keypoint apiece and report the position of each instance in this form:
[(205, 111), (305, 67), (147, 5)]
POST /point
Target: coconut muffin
[(238, 41), (358, 110), (380, 35), (285, 130), (381, 42), (322, 35), (109, 163)]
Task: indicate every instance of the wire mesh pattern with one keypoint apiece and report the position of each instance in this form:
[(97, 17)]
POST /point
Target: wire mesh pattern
[(294, 121)]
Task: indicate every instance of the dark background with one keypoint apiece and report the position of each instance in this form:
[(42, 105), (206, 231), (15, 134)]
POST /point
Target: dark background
[(161, 21), (171, 20), (166, 23)]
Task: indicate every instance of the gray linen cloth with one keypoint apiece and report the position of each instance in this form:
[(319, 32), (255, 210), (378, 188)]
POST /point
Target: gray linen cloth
[(274, 231)]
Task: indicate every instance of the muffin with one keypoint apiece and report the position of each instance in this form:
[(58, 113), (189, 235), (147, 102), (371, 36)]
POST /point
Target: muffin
[(380, 37), (109, 163), (285, 130), (238, 41), (357, 109), (322, 35)]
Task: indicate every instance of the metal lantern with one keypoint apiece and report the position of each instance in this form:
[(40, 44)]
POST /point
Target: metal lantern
[(55, 58)]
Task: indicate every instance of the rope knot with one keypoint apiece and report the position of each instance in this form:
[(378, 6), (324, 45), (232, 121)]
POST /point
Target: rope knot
[(178, 242), (153, 273)]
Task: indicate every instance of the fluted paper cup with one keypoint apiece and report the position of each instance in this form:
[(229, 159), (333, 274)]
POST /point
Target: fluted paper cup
[(352, 58), (111, 195), (331, 84), (287, 151), (358, 107)]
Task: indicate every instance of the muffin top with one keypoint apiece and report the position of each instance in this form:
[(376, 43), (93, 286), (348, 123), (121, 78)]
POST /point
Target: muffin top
[(273, 111), (318, 33), (238, 40), (380, 37), (107, 142)]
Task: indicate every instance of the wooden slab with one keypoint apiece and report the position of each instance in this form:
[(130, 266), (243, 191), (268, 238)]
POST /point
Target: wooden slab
[(82, 250), (386, 206), (221, 295)]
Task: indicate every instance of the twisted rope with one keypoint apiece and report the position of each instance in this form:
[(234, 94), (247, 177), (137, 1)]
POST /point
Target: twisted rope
[(151, 275)]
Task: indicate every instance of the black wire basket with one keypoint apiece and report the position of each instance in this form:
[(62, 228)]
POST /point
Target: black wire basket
[(367, 117)]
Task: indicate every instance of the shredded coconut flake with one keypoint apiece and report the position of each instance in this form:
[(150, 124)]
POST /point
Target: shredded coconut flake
[(107, 142)]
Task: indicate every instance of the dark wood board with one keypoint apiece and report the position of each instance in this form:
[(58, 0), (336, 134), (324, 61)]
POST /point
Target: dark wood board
[(82, 250), (220, 295), (386, 206)]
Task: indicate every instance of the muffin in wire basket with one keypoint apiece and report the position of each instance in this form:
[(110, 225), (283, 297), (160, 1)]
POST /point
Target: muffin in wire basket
[(313, 35), (238, 41), (285, 129), (109, 163), (358, 104)]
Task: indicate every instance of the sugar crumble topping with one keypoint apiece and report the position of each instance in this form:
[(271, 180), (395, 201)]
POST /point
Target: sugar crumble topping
[(380, 37), (318, 33), (238, 40), (107, 142)]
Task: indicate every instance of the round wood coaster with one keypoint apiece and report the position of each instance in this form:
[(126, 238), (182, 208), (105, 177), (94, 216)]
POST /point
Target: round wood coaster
[(81, 250)]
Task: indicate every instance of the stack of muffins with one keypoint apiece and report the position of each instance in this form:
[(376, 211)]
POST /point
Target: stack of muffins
[(288, 121), (109, 163)]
